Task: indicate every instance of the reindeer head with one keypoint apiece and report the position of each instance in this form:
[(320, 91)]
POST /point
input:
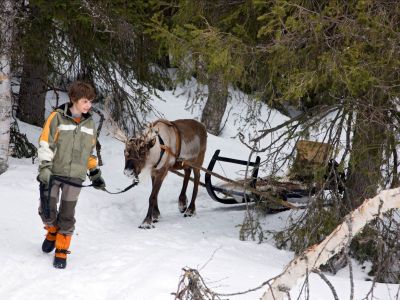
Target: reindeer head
[(136, 149), (136, 153)]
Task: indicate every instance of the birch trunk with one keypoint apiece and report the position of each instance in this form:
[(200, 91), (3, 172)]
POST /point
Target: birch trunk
[(316, 255), (6, 26)]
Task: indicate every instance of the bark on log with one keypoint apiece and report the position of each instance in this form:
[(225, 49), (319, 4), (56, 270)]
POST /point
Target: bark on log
[(318, 254)]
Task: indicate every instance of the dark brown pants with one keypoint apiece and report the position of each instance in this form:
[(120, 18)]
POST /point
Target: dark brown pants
[(63, 217)]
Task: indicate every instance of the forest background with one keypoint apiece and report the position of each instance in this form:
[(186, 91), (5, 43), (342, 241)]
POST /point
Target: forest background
[(308, 59)]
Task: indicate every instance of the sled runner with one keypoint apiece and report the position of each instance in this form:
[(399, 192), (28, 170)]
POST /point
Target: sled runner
[(297, 187), (240, 197)]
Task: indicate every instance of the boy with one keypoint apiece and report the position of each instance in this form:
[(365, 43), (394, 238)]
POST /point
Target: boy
[(67, 150)]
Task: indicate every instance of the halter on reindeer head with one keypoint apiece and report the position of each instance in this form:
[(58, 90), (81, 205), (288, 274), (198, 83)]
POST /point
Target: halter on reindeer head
[(137, 150)]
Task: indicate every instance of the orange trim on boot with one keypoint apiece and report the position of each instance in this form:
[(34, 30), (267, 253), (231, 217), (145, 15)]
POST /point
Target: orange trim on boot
[(51, 232), (62, 243)]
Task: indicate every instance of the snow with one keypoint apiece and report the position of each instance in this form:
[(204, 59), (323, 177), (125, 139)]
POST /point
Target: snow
[(113, 259)]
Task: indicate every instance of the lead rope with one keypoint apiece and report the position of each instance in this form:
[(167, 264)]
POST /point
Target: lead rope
[(62, 180)]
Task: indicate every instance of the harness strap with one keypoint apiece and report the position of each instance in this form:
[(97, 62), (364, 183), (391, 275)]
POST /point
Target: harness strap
[(165, 148), (178, 140), (160, 140), (168, 150)]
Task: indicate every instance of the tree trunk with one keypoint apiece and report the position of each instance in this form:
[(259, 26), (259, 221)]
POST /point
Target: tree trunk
[(32, 93), (366, 158), (316, 255), (217, 100), (6, 33)]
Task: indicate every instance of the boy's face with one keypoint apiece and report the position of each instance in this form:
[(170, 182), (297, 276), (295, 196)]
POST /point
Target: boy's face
[(83, 105)]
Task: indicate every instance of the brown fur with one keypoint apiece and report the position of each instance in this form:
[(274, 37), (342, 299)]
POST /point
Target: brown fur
[(188, 138)]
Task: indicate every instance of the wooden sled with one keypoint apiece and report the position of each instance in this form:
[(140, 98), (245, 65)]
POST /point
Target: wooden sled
[(239, 197), (298, 187)]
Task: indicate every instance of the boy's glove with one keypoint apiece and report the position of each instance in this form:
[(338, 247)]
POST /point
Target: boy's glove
[(45, 172), (97, 180)]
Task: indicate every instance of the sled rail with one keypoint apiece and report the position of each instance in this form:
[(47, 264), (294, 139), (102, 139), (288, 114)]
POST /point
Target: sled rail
[(212, 190)]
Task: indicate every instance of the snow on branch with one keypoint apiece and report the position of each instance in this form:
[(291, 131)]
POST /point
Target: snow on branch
[(319, 254)]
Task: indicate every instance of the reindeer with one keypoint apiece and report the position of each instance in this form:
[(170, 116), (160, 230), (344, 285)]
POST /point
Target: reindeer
[(165, 146)]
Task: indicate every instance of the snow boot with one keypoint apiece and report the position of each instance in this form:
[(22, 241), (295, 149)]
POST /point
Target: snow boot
[(62, 244), (50, 240)]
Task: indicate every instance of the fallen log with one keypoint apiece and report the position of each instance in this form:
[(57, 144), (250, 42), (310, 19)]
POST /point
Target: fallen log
[(319, 254)]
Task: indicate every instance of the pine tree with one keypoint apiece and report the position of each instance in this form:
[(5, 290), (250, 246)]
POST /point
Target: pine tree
[(203, 39), (34, 40), (338, 56), (100, 41)]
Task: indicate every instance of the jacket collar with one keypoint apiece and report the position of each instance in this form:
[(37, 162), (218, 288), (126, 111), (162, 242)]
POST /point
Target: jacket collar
[(65, 110)]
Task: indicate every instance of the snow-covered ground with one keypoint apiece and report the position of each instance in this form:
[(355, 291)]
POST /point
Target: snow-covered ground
[(113, 259)]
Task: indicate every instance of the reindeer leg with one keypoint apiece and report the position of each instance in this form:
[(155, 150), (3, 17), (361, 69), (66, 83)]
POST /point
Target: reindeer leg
[(156, 211), (153, 211), (182, 204), (192, 206)]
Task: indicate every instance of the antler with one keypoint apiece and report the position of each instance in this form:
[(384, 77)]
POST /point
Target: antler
[(119, 135), (116, 131)]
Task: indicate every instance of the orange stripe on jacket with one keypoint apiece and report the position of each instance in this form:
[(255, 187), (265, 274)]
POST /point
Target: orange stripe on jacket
[(46, 128), (56, 136), (92, 162)]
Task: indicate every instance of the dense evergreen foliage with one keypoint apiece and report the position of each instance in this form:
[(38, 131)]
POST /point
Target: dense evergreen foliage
[(103, 42), (324, 58)]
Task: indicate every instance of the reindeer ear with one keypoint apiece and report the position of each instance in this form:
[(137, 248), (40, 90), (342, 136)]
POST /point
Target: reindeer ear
[(151, 143)]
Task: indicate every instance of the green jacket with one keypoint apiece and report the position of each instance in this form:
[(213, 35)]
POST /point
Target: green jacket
[(69, 145)]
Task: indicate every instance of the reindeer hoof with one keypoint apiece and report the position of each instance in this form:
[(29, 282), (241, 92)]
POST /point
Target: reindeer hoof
[(189, 213), (182, 208), (182, 204), (146, 226)]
